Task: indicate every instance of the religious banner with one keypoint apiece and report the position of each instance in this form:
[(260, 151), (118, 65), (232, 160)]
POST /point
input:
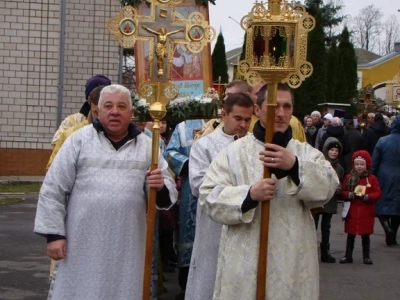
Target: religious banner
[(393, 91), (190, 64)]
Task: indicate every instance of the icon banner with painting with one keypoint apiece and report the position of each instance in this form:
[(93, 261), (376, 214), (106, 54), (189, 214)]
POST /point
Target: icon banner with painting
[(189, 64), (393, 91)]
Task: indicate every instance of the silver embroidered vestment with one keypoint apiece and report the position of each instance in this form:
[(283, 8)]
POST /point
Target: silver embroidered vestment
[(293, 272), (104, 220), (203, 265)]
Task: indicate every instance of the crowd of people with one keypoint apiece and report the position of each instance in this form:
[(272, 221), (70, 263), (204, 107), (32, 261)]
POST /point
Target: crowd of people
[(210, 183)]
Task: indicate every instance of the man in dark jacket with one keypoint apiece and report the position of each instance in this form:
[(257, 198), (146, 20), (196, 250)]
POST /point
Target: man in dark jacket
[(354, 140), (374, 132)]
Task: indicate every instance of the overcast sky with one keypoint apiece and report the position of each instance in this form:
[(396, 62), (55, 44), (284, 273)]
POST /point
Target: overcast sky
[(233, 33)]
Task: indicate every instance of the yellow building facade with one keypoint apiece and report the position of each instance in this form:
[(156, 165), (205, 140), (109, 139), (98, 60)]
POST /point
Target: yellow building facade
[(379, 72)]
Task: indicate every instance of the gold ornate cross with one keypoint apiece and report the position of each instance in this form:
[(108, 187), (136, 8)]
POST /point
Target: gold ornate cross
[(163, 30)]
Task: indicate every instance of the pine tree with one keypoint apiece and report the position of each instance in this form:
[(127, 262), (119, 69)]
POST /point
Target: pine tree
[(243, 54), (219, 65), (313, 89), (331, 16), (331, 72), (346, 64)]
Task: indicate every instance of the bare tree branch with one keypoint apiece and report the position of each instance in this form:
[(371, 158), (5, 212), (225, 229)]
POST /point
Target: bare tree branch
[(366, 28), (392, 33)]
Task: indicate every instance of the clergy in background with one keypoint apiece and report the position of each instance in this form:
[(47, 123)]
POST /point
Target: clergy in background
[(236, 114), (231, 192), (82, 115), (237, 86), (92, 205), (177, 154)]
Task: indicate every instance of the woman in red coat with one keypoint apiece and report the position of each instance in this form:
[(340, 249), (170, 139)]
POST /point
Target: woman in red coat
[(362, 190)]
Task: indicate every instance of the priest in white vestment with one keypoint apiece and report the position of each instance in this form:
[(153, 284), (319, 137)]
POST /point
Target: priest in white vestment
[(92, 205), (231, 192), (236, 114)]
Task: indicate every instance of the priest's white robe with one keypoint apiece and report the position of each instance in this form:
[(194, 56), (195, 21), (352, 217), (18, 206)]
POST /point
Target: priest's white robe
[(203, 264), (104, 218), (293, 272)]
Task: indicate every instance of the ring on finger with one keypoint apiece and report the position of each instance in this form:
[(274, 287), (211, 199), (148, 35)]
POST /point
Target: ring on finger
[(272, 159)]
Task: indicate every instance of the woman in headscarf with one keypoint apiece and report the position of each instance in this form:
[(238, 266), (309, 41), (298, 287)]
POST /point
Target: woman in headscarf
[(310, 130)]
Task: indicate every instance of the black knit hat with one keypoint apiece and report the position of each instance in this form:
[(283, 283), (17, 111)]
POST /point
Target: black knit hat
[(334, 145), (94, 82), (348, 118), (330, 143)]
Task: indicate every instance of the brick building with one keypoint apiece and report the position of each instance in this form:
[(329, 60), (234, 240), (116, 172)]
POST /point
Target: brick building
[(32, 59)]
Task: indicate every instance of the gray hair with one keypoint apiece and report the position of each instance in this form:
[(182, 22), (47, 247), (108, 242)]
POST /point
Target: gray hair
[(371, 115), (115, 89)]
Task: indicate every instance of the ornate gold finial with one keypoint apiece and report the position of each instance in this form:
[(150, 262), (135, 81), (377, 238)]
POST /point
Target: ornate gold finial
[(268, 16), (275, 7), (286, 6), (258, 11)]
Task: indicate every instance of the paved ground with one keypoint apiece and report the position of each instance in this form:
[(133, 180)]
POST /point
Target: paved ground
[(24, 265)]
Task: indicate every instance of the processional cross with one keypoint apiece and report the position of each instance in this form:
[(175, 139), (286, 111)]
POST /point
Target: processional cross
[(163, 31)]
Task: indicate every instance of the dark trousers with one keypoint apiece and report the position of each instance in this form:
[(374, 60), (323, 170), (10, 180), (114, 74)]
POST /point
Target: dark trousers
[(182, 277), (366, 244), (390, 225), (166, 240), (325, 226)]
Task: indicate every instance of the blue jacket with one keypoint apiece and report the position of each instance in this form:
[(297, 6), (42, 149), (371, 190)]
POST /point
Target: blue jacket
[(386, 166)]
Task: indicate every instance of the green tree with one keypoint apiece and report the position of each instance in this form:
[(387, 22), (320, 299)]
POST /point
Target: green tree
[(346, 66), (313, 89), (331, 72), (243, 54), (331, 15), (218, 57)]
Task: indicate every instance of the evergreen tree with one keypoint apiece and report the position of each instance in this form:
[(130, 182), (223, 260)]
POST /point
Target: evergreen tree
[(331, 73), (313, 89), (219, 65), (346, 66), (243, 54), (331, 16)]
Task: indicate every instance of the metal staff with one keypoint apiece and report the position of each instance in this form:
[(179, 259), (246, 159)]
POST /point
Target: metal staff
[(157, 111)]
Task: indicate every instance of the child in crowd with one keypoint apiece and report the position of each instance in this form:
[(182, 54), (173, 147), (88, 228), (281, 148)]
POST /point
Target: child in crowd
[(362, 190), (332, 149)]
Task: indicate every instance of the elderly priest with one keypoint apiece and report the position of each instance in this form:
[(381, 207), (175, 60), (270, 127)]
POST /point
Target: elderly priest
[(92, 205)]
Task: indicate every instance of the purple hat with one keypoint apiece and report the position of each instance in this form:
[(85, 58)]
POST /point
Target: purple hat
[(94, 82)]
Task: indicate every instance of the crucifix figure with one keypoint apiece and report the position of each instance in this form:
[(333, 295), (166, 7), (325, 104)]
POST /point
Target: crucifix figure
[(163, 31), (161, 49)]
